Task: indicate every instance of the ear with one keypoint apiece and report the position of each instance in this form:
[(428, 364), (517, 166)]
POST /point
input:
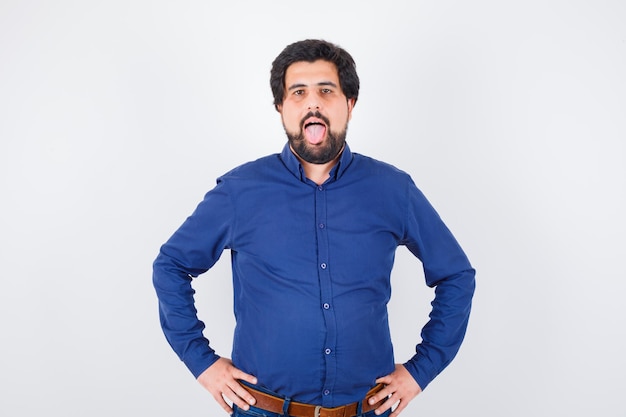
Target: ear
[(351, 103), (279, 108)]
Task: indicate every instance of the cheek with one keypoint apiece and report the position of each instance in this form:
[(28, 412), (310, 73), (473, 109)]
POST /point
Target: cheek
[(292, 116), (341, 114), (291, 120)]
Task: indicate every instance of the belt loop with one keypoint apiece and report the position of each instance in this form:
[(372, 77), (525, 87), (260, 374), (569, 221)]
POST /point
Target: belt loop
[(359, 409), (286, 404)]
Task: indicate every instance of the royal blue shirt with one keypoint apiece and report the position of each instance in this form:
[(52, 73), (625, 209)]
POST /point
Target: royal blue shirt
[(311, 273)]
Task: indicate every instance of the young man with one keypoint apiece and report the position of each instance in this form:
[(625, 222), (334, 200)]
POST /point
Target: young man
[(312, 232)]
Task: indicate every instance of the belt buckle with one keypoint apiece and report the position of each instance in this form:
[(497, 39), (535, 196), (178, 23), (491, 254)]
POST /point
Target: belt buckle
[(317, 410)]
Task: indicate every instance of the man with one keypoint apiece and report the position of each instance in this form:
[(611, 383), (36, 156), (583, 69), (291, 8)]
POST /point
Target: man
[(312, 233)]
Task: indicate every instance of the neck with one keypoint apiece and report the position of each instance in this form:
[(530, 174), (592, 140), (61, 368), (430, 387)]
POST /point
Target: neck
[(318, 173)]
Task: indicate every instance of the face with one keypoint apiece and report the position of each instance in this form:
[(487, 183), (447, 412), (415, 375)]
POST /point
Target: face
[(315, 112)]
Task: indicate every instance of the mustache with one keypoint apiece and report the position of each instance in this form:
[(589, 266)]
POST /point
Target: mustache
[(318, 115)]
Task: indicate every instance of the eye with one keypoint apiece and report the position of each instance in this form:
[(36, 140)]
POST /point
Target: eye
[(298, 92), (326, 91)]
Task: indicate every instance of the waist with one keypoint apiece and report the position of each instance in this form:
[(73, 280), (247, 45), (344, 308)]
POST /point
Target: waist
[(304, 366), (276, 404)]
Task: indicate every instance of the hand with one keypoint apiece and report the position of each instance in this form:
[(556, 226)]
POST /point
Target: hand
[(400, 389), (221, 380)]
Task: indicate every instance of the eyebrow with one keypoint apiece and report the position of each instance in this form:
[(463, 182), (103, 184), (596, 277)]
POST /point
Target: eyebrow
[(321, 83)]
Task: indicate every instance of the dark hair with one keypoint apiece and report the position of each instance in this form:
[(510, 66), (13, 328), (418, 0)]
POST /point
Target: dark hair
[(311, 50)]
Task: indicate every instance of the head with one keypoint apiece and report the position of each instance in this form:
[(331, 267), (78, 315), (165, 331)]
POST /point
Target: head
[(311, 50), (315, 87)]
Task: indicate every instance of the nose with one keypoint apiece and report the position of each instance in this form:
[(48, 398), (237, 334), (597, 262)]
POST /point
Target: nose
[(314, 102)]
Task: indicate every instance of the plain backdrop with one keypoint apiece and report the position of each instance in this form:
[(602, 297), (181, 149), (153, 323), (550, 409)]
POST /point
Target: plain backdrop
[(116, 117)]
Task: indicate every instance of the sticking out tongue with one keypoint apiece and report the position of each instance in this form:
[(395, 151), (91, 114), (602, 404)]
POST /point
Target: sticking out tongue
[(314, 133)]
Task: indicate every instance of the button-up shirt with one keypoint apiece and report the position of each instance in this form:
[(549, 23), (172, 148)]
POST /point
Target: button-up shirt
[(311, 269)]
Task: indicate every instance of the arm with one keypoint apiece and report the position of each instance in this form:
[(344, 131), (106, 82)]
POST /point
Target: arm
[(191, 251), (447, 269)]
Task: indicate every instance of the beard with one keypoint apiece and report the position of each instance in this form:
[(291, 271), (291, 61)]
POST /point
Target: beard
[(320, 154)]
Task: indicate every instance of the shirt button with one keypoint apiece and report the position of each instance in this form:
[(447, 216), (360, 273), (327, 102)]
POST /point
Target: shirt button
[(327, 351), (326, 306), (322, 225), (323, 266), (320, 188), (326, 392)]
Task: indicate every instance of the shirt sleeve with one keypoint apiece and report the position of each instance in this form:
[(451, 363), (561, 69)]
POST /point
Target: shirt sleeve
[(189, 252), (447, 269)]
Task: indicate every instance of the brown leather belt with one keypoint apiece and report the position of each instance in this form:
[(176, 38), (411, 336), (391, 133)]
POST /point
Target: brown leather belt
[(275, 405)]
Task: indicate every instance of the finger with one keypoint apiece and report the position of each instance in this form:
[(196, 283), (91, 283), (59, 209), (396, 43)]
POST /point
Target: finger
[(239, 374), (242, 393), (220, 400), (384, 380), (380, 395), (401, 406), (236, 399), (386, 406)]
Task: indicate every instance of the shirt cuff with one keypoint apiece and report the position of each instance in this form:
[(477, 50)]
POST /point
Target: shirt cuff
[(198, 362), (421, 370)]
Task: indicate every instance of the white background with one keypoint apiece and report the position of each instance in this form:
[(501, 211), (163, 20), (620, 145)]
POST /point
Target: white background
[(116, 117)]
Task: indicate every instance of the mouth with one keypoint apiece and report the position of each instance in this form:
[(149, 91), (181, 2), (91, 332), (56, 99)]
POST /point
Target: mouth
[(314, 130)]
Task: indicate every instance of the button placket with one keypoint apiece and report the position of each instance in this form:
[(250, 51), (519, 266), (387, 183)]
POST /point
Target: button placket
[(325, 282)]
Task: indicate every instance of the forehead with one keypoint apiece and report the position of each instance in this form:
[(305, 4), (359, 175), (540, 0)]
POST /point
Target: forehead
[(303, 72)]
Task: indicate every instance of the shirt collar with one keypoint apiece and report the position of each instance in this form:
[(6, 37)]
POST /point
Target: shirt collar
[(293, 164)]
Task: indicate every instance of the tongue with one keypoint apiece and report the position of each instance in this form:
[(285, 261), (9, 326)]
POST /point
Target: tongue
[(315, 133)]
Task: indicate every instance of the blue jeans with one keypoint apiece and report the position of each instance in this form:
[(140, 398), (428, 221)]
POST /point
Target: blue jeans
[(258, 412)]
